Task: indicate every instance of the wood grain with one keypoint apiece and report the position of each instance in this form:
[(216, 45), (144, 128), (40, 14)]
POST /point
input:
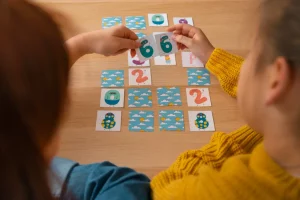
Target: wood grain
[(222, 20)]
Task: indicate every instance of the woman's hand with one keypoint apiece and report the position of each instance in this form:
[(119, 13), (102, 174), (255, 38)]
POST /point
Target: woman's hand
[(194, 39), (108, 42)]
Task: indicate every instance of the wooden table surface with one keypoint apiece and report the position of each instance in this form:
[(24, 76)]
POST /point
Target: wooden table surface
[(226, 24)]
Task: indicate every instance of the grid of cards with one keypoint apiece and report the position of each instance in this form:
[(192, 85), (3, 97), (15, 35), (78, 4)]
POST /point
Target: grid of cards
[(162, 49)]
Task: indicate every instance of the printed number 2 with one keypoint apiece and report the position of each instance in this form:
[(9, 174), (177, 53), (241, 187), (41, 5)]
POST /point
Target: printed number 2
[(146, 51), (166, 46), (141, 78)]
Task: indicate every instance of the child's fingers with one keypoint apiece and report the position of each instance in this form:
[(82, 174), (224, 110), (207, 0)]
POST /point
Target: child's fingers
[(183, 40)]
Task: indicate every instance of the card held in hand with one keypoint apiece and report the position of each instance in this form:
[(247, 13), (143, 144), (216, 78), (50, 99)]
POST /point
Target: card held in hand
[(165, 44), (147, 49)]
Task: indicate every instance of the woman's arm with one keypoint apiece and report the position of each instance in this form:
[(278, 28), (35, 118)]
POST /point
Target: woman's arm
[(108, 42)]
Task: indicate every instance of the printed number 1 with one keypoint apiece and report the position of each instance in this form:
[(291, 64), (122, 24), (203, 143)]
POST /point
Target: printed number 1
[(165, 46), (146, 51)]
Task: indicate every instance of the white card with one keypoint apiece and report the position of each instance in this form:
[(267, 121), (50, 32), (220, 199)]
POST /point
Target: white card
[(201, 121), (165, 60), (148, 48), (183, 20), (135, 62), (112, 98), (159, 19), (190, 60), (165, 44), (108, 121), (140, 76), (198, 97)]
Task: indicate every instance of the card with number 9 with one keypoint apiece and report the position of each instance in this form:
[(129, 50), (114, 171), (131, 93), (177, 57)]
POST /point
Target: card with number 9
[(165, 44), (147, 49)]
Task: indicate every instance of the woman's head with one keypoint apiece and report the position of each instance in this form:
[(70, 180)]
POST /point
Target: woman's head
[(34, 70), (269, 86)]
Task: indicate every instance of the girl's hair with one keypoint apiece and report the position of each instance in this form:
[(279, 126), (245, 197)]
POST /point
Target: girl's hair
[(34, 71), (279, 30)]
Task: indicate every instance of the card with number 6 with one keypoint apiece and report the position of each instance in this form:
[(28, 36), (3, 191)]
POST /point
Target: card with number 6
[(147, 49), (165, 44)]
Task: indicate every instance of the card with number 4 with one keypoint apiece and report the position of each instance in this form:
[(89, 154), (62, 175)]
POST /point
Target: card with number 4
[(165, 44), (147, 49)]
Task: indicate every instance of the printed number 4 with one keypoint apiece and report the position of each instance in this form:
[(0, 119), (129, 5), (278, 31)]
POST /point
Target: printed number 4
[(165, 45), (146, 51)]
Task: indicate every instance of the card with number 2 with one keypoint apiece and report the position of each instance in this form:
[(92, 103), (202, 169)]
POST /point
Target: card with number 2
[(147, 49), (140, 76), (165, 44)]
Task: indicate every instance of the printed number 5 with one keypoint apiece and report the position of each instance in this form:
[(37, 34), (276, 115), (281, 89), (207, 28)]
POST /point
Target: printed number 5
[(166, 46), (147, 51)]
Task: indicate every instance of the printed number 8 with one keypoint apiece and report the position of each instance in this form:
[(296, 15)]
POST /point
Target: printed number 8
[(165, 46), (147, 51)]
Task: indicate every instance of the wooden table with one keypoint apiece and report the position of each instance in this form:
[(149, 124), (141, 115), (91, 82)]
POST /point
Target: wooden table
[(225, 23)]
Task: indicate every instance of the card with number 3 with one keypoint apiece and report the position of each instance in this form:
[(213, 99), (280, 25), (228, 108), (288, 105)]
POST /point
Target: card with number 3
[(165, 44), (147, 49)]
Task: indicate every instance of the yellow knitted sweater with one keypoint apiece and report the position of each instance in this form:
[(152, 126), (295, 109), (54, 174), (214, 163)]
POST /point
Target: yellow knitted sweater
[(232, 166)]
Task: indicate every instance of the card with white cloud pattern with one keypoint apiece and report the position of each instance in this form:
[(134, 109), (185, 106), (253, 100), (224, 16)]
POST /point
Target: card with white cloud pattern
[(141, 121), (112, 98), (112, 78), (190, 60), (171, 120), (108, 120), (159, 19), (183, 20), (201, 121), (108, 22), (139, 97), (198, 97), (169, 96), (140, 76)]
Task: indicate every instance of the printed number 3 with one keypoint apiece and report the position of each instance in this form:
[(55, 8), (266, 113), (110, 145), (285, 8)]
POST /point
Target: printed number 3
[(146, 51), (166, 46)]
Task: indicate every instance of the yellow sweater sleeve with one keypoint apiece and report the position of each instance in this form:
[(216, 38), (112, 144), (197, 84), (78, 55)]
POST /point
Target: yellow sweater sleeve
[(226, 67), (222, 146)]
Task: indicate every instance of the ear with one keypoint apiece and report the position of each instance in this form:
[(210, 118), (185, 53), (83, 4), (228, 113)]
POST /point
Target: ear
[(280, 80)]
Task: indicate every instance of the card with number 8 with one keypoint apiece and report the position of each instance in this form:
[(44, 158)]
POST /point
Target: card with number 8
[(147, 49), (165, 44)]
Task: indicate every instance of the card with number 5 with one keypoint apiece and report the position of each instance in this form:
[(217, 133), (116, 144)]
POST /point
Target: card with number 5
[(165, 44), (147, 49)]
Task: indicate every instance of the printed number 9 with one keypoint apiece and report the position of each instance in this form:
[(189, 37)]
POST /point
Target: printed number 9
[(165, 46), (147, 51)]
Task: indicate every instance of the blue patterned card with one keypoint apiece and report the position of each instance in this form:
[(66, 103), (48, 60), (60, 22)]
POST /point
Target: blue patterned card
[(171, 120), (112, 78), (135, 22), (140, 35), (139, 97), (198, 77), (108, 22), (169, 96), (141, 121)]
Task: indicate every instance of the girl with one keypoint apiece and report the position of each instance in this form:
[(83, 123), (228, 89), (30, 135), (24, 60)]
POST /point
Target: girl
[(34, 75), (239, 165)]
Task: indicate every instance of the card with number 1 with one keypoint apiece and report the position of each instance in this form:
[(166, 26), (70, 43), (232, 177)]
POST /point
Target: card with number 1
[(165, 44), (147, 49)]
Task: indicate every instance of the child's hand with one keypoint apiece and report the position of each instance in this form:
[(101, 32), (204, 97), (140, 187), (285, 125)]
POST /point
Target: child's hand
[(112, 41), (194, 39)]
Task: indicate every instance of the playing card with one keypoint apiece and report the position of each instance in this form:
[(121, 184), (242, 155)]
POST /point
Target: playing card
[(112, 98), (139, 97), (112, 78), (160, 19), (201, 121), (135, 22), (171, 120), (169, 96), (108, 121), (198, 97), (165, 44), (190, 60), (198, 77), (183, 20), (165, 60), (147, 49), (141, 76), (108, 22), (141, 121)]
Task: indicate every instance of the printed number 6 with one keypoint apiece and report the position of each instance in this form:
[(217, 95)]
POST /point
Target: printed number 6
[(165, 46), (147, 51)]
